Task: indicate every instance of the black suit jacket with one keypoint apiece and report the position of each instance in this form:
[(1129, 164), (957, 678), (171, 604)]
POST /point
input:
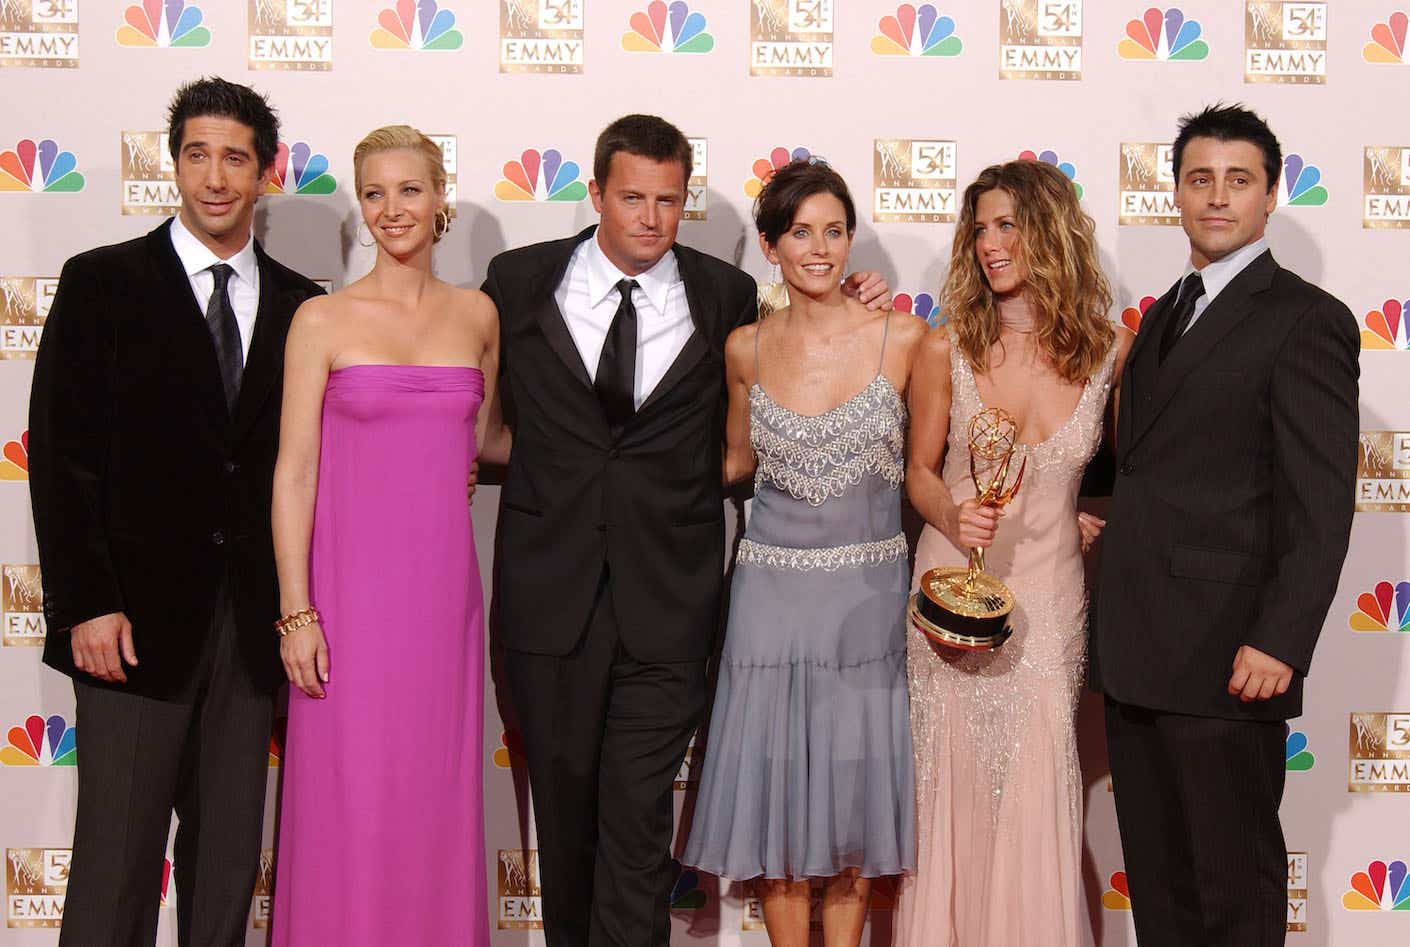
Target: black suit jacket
[(1236, 469), (146, 491), (646, 504)]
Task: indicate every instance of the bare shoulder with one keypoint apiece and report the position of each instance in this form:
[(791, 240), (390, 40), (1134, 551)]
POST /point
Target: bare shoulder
[(470, 303), (317, 314), (907, 330), (935, 344), (739, 344)]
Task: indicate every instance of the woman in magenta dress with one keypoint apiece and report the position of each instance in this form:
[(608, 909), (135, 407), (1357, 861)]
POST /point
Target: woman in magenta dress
[(381, 822)]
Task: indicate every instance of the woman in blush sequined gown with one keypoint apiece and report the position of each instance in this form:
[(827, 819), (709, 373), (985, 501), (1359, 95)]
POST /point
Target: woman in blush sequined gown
[(807, 771), (381, 820), (999, 792)]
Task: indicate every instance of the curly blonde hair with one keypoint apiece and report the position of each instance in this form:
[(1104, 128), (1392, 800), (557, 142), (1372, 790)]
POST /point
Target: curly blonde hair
[(1066, 287), (403, 138)]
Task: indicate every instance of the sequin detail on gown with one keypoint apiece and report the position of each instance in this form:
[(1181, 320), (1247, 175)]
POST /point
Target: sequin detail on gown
[(998, 785)]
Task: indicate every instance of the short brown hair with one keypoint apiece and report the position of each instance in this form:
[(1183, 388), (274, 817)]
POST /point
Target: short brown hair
[(790, 186), (647, 136)]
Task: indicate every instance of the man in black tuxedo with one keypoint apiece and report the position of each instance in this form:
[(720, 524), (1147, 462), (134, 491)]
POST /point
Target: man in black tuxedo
[(154, 421), (1236, 465), (611, 527)]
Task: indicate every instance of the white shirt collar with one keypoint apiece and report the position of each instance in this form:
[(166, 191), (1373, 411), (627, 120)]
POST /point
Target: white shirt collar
[(196, 256), (1221, 272), (603, 276)]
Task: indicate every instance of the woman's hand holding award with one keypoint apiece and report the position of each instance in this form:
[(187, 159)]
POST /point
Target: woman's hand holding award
[(966, 607)]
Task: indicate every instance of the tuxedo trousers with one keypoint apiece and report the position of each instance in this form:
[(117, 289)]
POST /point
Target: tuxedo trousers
[(1197, 806), (604, 735), (205, 756)]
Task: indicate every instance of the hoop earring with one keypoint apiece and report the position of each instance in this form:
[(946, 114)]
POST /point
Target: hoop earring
[(371, 238), (441, 225), (773, 295)]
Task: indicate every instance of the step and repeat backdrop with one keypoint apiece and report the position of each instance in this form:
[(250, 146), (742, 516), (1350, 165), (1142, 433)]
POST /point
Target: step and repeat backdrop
[(909, 101)]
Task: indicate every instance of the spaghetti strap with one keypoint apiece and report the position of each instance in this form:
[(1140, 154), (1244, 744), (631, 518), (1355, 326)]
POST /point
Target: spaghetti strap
[(885, 330), (758, 327)]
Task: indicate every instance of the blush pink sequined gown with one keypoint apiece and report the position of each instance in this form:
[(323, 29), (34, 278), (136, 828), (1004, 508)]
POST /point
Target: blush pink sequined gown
[(381, 827), (998, 788)]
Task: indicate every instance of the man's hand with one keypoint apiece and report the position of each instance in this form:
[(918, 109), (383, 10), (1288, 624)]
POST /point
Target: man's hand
[(869, 288), (100, 646), (1258, 676), (470, 482)]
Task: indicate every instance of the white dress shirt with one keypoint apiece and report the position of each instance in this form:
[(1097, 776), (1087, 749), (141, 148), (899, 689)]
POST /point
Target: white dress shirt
[(1220, 273), (243, 288), (588, 299)]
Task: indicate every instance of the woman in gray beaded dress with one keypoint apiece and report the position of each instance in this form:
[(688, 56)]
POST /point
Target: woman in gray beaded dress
[(808, 767)]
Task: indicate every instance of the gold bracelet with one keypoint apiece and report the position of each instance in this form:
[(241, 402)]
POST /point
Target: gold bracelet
[(296, 620)]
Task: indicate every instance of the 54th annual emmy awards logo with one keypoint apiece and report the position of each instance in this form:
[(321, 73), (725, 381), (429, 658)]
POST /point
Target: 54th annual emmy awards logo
[(24, 305), (450, 158), (1297, 892), (1379, 751), (1285, 41), (1040, 39), (697, 193), (23, 595), (148, 174), (295, 35), (520, 906), (541, 36), (913, 180), (39, 33), (1147, 184), (36, 883), (1383, 472), (1386, 177), (790, 38)]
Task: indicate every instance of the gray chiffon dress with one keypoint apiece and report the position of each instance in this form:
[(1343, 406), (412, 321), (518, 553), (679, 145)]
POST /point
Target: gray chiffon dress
[(808, 767)]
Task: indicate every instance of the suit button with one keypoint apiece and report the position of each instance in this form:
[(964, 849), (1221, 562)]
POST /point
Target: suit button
[(230, 466), (602, 527), (1126, 470), (614, 453), (218, 538)]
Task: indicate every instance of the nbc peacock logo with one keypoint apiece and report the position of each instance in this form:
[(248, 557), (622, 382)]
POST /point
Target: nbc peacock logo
[(1387, 44), (1380, 887), (1048, 156), (41, 741), (1386, 608), (1163, 35), (1133, 316), (663, 28), (14, 465), (417, 25), (916, 31), (39, 166), (300, 170), (1296, 757), (1117, 896), (164, 23), (922, 306), (1298, 186), (541, 176), (1386, 328), (509, 751), (764, 169)]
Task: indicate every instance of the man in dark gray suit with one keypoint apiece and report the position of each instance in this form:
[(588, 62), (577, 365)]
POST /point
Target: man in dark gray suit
[(1236, 466)]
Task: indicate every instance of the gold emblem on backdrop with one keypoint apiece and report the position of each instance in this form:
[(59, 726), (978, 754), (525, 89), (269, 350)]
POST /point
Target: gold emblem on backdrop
[(1386, 177), (264, 891), (1040, 39), (24, 305), (697, 195), (36, 882), (23, 594), (913, 180), (1379, 746), (541, 36), (1147, 185), (1383, 472), (39, 33), (790, 38), (1285, 41), (520, 902), (295, 35), (450, 158), (1297, 892), (148, 174)]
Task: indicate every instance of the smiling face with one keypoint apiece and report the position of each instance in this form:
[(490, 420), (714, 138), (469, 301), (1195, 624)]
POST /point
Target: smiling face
[(640, 203), (399, 200), (812, 252), (218, 177), (997, 247), (1224, 197)]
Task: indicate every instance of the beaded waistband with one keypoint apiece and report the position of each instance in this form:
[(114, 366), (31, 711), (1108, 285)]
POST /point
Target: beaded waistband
[(827, 558)]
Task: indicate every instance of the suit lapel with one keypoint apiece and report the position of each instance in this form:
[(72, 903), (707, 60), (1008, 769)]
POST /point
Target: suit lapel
[(699, 342), (1220, 318), (176, 299), (264, 361), (1140, 374), (552, 322)]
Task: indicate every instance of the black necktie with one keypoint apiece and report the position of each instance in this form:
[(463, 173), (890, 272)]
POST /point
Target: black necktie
[(615, 382), (1181, 313), (225, 332)]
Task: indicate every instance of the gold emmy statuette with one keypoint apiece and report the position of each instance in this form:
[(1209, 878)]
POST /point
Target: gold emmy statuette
[(966, 607)]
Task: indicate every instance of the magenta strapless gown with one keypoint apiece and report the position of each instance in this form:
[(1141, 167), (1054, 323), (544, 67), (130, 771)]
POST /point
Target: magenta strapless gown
[(381, 832)]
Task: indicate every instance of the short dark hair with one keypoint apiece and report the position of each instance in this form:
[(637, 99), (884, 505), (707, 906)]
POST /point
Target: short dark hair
[(1230, 123), (790, 186), (215, 96), (646, 136)]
